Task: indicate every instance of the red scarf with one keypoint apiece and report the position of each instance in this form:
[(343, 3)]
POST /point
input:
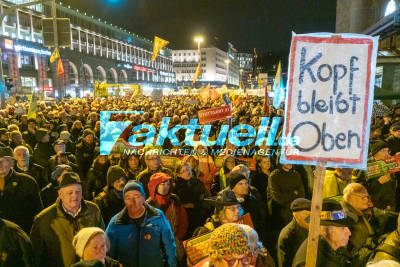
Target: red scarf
[(163, 201)]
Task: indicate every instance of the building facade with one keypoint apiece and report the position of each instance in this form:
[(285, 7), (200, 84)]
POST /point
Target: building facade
[(99, 51), (218, 67), (376, 18), (246, 67)]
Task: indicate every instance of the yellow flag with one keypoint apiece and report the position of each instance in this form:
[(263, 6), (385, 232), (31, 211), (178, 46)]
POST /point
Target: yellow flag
[(55, 55), (32, 107), (259, 82), (199, 71), (158, 45)]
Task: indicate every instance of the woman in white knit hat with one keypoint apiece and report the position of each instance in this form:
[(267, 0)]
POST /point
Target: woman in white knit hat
[(91, 245)]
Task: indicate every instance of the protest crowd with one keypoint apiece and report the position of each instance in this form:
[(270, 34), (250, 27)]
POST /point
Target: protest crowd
[(62, 203)]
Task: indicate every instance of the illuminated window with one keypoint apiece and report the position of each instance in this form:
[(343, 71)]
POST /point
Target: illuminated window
[(390, 8)]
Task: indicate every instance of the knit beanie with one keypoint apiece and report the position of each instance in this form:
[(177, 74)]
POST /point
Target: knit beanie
[(58, 170), (82, 238), (114, 173), (154, 181), (235, 178), (134, 185), (40, 133), (229, 240), (375, 147)]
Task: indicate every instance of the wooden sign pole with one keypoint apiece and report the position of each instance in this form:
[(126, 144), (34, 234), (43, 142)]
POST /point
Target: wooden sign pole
[(316, 206)]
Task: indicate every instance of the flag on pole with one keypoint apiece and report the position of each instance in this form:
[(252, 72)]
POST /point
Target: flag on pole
[(55, 55), (199, 72), (214, 94), (279, 91), (158, 45), (225, 98), (32, 107), (260, 81), (204, 93), (60, 68)]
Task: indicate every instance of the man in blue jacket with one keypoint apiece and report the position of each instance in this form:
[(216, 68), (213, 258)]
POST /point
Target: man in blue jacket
[(140, 235)]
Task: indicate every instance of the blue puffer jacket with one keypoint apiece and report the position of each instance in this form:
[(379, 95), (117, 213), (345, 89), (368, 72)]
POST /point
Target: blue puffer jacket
[(150, 245)]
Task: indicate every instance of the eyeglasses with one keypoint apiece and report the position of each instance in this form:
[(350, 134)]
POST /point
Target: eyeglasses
[(363, 197)]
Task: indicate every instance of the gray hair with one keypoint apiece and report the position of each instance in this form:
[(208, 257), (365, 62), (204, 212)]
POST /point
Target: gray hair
[(353, 188), (21, 147)]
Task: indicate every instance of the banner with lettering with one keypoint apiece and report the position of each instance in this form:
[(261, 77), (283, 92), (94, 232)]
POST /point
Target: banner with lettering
[(329, 99), (214, 114)]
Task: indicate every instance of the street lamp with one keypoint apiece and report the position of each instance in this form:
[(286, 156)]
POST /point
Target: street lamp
[(227, 61), (241, 78), (198, 39)]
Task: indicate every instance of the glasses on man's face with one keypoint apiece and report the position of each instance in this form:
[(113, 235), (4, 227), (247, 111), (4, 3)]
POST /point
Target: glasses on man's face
[(363, 197), (151, 159)]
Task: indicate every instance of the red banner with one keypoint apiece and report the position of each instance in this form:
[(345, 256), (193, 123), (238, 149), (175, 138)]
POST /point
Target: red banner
[(214, 114), (13, 68)]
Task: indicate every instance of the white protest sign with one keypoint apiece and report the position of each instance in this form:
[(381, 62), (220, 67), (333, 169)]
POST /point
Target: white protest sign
[(329, 99)]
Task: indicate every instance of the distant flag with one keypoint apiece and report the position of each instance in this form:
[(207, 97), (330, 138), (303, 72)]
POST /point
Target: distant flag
[(32, 107), (214, 94), (225, 98), (279, 91), (198, 73), (55, 55), (260, 81), (204, 93), (158, 45), (60, 68)]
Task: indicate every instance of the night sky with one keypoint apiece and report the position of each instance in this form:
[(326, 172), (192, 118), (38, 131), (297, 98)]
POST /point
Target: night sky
[(265, 25)]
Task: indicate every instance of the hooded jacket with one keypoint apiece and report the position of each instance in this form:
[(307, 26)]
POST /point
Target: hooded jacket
[(151, 244), (172, 207)]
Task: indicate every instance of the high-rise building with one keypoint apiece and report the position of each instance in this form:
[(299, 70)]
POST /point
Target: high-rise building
[(377, 18), (217, 66)]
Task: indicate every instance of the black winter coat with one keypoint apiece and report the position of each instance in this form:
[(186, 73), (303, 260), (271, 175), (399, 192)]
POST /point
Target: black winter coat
[(20, 200), (29, 138), (289, 241), (15, 246), (326, 256), (49, 194), (192, 191), (37, 172), (42, 153), (109, 203), (84, 157), (394, 144), (96, 180), (259, 180)]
